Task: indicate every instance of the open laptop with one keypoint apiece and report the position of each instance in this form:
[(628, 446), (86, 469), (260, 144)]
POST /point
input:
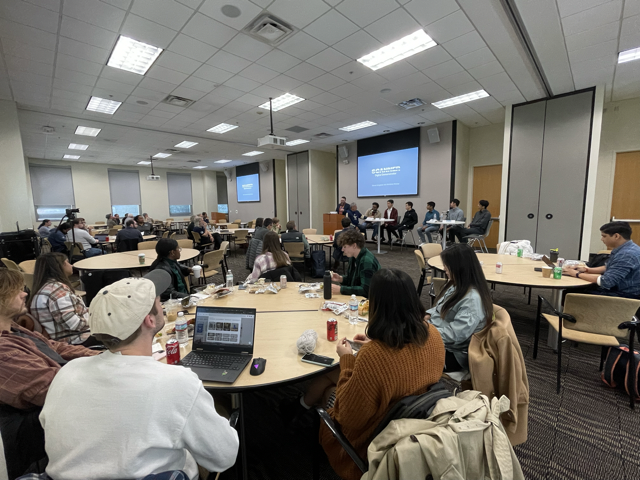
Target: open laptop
[(222, 343)]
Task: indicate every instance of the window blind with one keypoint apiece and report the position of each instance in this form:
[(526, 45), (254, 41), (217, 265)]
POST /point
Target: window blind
[(124, 186), (51, 185), (179, 186)]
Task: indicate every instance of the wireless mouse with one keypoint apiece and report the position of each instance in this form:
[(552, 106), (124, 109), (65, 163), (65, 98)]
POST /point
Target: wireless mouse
[(257, 366)]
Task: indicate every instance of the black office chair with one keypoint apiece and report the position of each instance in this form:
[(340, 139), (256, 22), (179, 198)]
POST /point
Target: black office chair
[(290, 271), (23, 440)]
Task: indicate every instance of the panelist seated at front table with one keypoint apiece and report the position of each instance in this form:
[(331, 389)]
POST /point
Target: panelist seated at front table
[(479, 223), (373, 213), (455, 214), (426, 228)]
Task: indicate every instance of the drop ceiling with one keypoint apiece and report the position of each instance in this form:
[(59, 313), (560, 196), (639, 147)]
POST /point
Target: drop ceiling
[(54, 54)]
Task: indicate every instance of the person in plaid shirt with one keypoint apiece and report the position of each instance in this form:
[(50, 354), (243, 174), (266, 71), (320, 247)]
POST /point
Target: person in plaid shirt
[(362, 266), (54, 304), (272, 257)]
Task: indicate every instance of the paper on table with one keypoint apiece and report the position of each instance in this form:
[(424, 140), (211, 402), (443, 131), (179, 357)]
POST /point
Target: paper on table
[(333, 212)]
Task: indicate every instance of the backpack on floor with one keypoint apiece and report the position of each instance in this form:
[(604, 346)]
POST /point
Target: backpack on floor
[(317, 264), (616, 368)]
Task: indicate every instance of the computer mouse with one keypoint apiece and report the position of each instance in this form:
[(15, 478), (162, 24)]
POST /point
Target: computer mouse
[(258, 365)]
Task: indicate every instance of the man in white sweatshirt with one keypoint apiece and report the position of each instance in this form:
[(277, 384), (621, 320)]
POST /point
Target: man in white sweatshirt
[(126, 415)]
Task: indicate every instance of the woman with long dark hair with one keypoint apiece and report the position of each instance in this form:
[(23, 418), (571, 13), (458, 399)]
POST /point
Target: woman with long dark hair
[(272, 257), (463, 307), (168, 255), (53, 302), (45, 228)]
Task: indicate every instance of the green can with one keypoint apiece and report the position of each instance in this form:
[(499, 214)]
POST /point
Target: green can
[(520, 251), (557, 273)]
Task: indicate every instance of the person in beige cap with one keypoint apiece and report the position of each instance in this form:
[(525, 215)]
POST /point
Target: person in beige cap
[(127, 415)]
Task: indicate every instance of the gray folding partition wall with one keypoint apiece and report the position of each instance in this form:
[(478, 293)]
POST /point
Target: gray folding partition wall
[(548, 166), (298, 184)]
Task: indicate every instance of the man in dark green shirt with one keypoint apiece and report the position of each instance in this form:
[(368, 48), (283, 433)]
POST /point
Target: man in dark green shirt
[(362, 266)]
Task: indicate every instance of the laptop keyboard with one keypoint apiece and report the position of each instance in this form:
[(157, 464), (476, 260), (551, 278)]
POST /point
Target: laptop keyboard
[(199, 359)]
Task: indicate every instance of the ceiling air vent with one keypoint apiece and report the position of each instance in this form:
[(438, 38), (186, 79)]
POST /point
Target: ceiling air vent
[(173, 150), (178, 101), (269, 29), (409, 104), (296, 129), (323, 135)]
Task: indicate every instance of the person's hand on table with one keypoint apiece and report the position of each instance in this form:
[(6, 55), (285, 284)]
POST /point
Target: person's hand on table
[(580, 269), (335, 288), (344, 347), (572, 272), (361, 339), (336, 278)]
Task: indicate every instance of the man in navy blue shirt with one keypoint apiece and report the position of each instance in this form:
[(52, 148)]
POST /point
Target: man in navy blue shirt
[(58, 236), (621, 275), (354, 214), (427, 228)]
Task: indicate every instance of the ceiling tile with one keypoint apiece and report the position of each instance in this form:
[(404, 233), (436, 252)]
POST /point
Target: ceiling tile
[(166, 75), (251, 99), (191, 48), (452, 81), (630, 25), (242, 83), (373, 80), (604, 49), (118, 75), (350, 71), (464, 44), (95, 12), (146, 31), (82, 50), (571, 7), (71, 86), (364, 12), (592, 37), (628, 42), (27, 14), (429, 58), (199, 84), (299, 16), (305, 72), (28, 35), (248, 11), (259, 72), (358, 45), (479, 57), (302, 46), (394, 26), (208, 30), (16, 64), (326, 98), (115, 86), (329, 59), (86, 33), (229, 62), (485, 70), (154, 84), (592, 18), (213, 74), (331, 27), (284, 83), (497, 84), (78, 65), (122, 4), (449, 27), (278, 61), (397, 70), (347, 90), (443, 70), (428, 11), (307, 91), (177, 62), (165, 12), (246, 47)]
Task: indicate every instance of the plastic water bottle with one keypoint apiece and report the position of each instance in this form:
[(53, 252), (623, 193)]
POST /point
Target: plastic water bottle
[(182, 332), (353, 310), (229, 279)]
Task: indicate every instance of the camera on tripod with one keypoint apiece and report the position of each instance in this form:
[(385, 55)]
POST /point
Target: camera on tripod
[(70, 212)]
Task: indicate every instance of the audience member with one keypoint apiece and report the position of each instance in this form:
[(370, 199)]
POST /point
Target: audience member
[(293, 235), (621, 275), (147, 218), (409, 220), (479, 223), (28, 361), (276, 227), (111, 222), (362, 265), (191, 226), (207, 237), (54, 303), (58, 236), (168, 255), (272, 257), (337, 252), (457, 214), (354, 215), (268, 224), (373, 212), (255, 244), (392, 214), (343, 207), (128, 237), (204, 217), (428, 228), (125, 415), (45, 229), (116, 218), (463, 307), (84, 238)]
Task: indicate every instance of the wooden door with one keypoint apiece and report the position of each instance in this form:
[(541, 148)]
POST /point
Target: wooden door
[(625, 202), (487, 183)]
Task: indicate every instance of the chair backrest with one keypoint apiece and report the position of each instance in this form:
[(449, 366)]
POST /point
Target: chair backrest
[(224, 246), (28, 266), (294, 249), (78, 249), (100, 223), (47, 243), (486, 232), (420, 259), (186, 219), (150, 245), (438, 285), (113, 232), (169, 219), (173, 234), (240, 234), (196, 237), (251, 223), (289, 271), (605, 252), (430, 250), (28, 281), (128, 244), (212, 259), (184, 243), (166, 234), (310, 231), (10, 264), (599, 314), (118, 227), (238, 221)]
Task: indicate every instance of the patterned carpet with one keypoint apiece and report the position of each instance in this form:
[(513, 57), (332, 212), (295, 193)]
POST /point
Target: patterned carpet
[(586, 432)]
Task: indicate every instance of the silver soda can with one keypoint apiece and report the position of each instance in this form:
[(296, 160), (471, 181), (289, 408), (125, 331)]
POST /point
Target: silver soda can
[(283, 281), (560, 262), (499, 267)]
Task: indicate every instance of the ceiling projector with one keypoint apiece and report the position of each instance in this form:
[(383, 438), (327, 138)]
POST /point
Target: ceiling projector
[(153, 178), (271, 141)]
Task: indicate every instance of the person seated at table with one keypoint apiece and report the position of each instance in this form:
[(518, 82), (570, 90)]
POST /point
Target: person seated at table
[(454, 213), (28, 361), (45, 229), (192, 224), (204, 217), (143, 227), (272, 257), (428, 228), (409, 220), (479, 223), (54, 303), (168, 255), (337, 252), (83, 237), (255, 244), (128, 238), (373, 212), (207, 237), (293, 235), (276, 227), (116, 218), (58, 236), (463, 307), (343, 207), (125, 415), (354, 215), (147, 219), (392, 214), (111, 221), (362, 266), (620, 277), (400, 355)]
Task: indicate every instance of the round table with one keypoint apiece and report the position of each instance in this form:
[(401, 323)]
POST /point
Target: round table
[(128, 260)]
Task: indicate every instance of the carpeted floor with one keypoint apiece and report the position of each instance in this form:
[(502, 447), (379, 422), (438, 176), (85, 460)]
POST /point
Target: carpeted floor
[(586, 432)]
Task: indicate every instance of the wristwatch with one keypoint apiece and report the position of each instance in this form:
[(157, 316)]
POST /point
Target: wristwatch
[(577, 274)]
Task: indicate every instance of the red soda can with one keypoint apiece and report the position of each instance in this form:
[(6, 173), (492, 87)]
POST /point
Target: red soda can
[(332, 330), (173, 351), (499, 267)]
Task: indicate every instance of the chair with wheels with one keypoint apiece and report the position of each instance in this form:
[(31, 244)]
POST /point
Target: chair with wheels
[(480, 238), (150, 245)]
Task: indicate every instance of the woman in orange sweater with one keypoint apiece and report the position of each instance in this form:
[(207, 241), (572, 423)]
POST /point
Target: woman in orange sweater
[(401, 355)]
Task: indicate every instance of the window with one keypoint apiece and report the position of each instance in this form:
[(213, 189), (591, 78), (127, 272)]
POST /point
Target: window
[(124, 186), (52, 189), (223, 208), (179, 186)]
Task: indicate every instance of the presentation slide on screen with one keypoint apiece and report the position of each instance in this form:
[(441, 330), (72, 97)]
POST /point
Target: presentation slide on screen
[(389, 173), (223, 328), (248, 188)]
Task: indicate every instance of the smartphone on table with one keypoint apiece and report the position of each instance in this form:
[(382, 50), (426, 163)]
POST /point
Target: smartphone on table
[(318, 360)]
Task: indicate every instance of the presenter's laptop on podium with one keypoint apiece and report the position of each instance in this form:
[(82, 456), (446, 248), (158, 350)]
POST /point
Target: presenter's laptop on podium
[(222, 343)]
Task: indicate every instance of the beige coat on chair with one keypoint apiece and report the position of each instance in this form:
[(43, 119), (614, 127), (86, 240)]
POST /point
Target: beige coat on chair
[(497, 368)]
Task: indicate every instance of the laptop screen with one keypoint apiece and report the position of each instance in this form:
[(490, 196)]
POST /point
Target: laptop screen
[(224, 329)]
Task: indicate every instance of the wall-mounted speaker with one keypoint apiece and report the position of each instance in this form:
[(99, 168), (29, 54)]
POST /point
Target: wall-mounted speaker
[(345, 161), (343, 151), (229, 174), (434, 136), (264, 166)]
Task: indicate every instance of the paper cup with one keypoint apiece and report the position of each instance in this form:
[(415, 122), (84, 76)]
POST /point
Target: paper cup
[(141, 257), (197, 269), (546, 272)]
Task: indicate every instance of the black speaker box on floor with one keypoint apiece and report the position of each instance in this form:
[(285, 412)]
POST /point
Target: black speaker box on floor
[(20, 246)]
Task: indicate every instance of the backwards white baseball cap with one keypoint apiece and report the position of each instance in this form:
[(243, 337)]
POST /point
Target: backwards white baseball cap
[(119, 309)]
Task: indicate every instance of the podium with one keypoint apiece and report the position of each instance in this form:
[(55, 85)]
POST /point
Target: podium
[(331, 222)]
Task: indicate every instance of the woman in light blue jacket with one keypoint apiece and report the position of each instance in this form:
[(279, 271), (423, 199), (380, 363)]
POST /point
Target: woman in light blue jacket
[(463, 307)]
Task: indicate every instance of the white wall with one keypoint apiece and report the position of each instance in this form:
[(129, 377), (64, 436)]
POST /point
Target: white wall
[(92, 195), (462, 168), (322, 185), (251, 210), (281, 191), (485, 148), (15, 204)]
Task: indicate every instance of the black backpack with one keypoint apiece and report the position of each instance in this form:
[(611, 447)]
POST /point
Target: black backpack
[(616, 369), (317, 264)]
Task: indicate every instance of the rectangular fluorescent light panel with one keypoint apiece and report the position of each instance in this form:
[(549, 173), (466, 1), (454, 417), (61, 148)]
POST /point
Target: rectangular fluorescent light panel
[(252, 154), (223, 161), (201, 166), (77, 146), (102, 105), (283, 101), (398, 50), (293, 143), (222, 128), (144, 162), (629, 55), (71, 157), (467, 97), (162, 155), (357, 126), (133, 56), (186, 144), (88, 131)]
